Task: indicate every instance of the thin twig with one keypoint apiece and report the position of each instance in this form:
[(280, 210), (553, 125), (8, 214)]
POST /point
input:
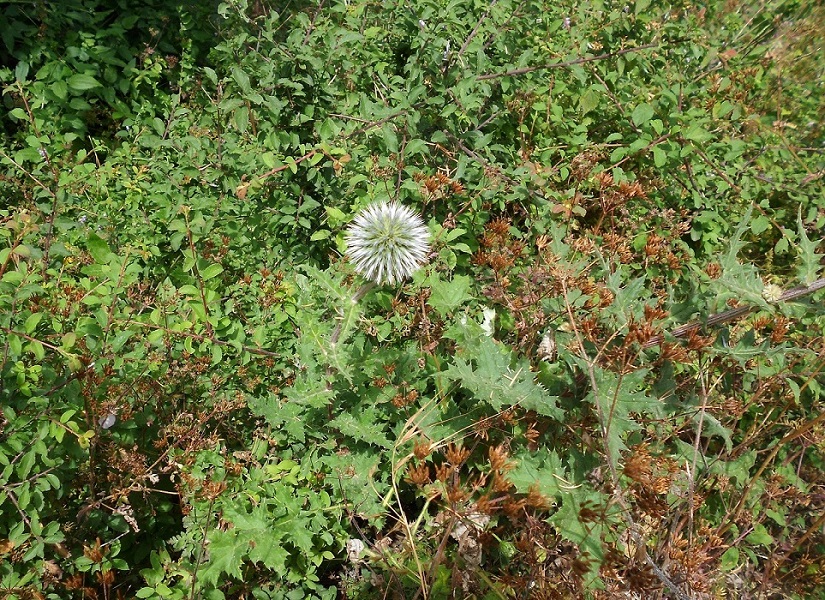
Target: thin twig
[(297, 161), (796, 433), (205, 338), (11, 331), (42, 185), (713, 166), (474, 32), (565, 64), (633, 528), (312, 24), (475, 156)]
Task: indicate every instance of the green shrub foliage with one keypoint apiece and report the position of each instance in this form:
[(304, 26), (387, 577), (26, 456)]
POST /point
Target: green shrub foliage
[(606, 380)]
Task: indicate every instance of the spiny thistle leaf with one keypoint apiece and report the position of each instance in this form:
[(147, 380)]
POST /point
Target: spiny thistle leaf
[(618, 398), (809, 258), (226, 552), (740, 281), (494, 381), (364, 427), (446, 296), (542, 468)]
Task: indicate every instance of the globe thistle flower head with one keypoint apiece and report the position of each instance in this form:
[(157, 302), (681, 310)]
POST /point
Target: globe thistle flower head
[(387, 242)]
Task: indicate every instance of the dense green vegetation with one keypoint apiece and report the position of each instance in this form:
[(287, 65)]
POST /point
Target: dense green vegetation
[(194, 406)]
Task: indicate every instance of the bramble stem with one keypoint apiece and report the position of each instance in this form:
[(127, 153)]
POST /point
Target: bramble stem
[(735, 313)]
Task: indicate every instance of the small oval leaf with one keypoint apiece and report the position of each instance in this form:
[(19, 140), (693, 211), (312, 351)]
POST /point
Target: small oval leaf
[(642, 114), (80, 82)]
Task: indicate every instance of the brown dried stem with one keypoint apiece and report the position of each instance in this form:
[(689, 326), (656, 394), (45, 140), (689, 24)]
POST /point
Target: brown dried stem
[(735, 313)]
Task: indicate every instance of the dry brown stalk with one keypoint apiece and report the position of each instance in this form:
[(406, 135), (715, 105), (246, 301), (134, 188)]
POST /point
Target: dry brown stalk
[(735, 313)]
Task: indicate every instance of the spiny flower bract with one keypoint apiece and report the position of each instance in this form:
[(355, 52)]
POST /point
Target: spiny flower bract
[(387, 242)]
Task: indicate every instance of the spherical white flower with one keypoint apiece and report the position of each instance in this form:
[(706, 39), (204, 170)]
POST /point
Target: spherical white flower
[(387, 242)]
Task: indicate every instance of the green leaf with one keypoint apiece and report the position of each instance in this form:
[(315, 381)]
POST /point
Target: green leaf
[(328, 129), (697, 134), (31, 322), (120, 339), (759, 536), (360, 480), (490, 378), (240, 116), (722, 109), (211, 272), (289, 416), (659, 156), (25, 465), (269, 551), (589, 100), (809, 258), (364, 428), (776, 517), (712, 426), (618, 398), (740, 281), (217, 354), (416, 146), (642, 114), (730, 559), (335, 215), (60, 89), (587, 535), (737, 469), (390, 138), (98, 248), (36, 348), (17, 534), (627, 295), (446, 296), (542, 469), (226, 552), (211, 75), (80, 82), (156, 336), (21, 71), (760, 224), (242, 79)]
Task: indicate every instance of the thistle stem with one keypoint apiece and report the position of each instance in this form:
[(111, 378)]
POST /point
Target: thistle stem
[(357, 297), (362, 291)]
